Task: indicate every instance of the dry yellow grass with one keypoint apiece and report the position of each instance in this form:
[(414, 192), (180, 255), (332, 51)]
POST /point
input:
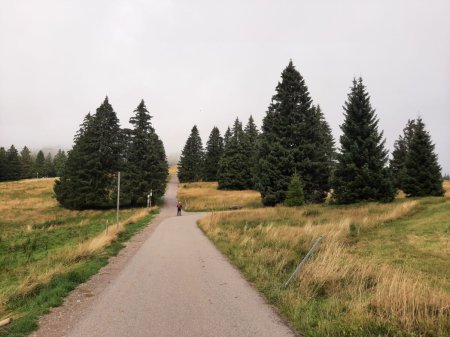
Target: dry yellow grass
[(273, 236), (44, 240), (66, 258), (173, 170), (204, 196), (447, 188)]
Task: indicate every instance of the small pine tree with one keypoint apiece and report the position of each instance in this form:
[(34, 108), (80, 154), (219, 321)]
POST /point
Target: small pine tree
[(59, 162), (213, 153), (190, 165), (13, 164), (49, 169), (423, 174), (360, 173), (252, 134), (294, 194), (39, 165), (26, 163), (397, 164)]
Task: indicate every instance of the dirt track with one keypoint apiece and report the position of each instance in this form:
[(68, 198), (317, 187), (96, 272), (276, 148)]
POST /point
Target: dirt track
[(169, 281)]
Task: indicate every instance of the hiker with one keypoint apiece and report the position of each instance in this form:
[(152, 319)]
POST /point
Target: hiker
[(179, 207)]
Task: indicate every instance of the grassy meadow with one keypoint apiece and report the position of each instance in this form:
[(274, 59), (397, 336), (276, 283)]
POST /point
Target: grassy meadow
[(381, 269), (204, 196), (46, 250)]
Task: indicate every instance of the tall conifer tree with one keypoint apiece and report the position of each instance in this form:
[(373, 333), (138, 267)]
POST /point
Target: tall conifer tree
[(190, 166), (397, 164), (49, 169), (90, 176), (361, 173), (213, 153), (235, 169), (293, 139), (422, 172), (146, 168), (13, 165), (26, 163), (39, 165)]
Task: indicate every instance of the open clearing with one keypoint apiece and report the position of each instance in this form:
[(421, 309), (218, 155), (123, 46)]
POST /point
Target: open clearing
[(381, 270), (46, 250)]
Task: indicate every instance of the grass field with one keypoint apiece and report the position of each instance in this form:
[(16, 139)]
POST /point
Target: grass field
[(204, 196), (45, 250), (381, 269)]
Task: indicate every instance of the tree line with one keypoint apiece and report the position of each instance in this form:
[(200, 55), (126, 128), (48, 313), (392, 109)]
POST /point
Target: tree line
[(294, 160), (101, 149), (15, 165)]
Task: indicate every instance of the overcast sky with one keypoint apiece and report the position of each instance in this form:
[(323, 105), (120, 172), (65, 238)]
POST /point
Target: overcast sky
[(208, 62)]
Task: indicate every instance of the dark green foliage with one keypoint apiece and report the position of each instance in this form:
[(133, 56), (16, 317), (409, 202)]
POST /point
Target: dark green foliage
[(235, 166), (227, 136), (213, 153), (26, 163), (295, 138), (397, 164), (423, 173), (146, 164), (49, 169), (3, 164), (294, 194), (13, 164), (39, 165), (90, 176), (360, 173), (252, 135), (59, 163), (190, 166)]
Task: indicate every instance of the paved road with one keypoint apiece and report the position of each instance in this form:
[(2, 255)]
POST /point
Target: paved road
[(178, 284)]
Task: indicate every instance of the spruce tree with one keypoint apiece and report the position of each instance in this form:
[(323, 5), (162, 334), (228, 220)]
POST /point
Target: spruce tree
[(235, 169), (13, 164), (49, 169), (26, 163), (39, 165), (295, 138), (190, 165), (59, 162), (3, 164), (90, 175), (251, 133), (361, 173), (397, 164), (213, 153), (227, 136), (423, 174), (294, 194), (146, 168)]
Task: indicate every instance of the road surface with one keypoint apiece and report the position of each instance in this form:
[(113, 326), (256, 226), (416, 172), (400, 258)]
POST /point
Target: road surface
[(176, 283)]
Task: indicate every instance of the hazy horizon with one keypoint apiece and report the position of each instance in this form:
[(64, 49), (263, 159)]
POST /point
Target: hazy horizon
[(207, 63)]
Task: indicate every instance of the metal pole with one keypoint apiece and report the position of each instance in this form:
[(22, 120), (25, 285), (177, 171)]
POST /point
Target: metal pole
[(118, 199), (303, 261), (151, 194)]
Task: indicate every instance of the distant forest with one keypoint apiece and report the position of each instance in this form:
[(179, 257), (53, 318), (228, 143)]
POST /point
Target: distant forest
[(15, 165)]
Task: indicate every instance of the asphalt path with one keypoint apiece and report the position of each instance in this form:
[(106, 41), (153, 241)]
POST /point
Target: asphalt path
[(178, 284)]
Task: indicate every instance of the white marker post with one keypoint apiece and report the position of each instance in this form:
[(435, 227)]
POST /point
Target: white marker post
[(118, 199), (150, 197)]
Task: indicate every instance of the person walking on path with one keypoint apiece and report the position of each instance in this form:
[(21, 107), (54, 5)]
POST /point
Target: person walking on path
[(179, 207)]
